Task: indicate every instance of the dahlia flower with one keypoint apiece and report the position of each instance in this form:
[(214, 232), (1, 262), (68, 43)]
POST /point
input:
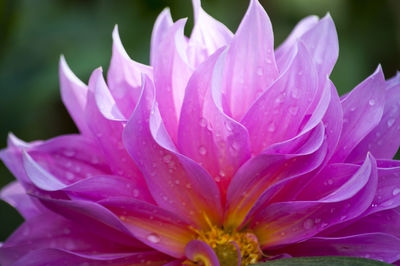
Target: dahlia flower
[(224, 151)]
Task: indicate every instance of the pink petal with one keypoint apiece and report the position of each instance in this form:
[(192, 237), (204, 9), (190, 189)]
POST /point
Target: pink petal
[(154, 226), (104, 187), (264, 170), (108, 134), (171, 74), (250, 62), (282, 53), (199, 251), (52, 231), (221, 144), (362, 112), (176, 183), (208, 35), (74, 95), (292, 92), (376, 246), (282, 223), (124, 77), (15, 195), (161, 27), (382, 141)]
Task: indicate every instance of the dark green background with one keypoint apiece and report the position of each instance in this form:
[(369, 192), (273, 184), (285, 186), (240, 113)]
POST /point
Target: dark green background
[(33, 34)]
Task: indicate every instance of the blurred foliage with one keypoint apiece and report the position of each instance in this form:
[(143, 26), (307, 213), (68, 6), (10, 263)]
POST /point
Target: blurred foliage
[(33, 34)]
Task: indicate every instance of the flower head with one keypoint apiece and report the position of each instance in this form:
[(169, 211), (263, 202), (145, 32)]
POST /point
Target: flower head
[(224, 151)]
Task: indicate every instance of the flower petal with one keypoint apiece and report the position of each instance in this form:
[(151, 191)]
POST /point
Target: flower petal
[(382, 141), (282, 223), (264, 170), (362, 112), (199, 251), (208, 35), (15, 195), (171, 74), (154, 226), (293, 91), (376, 246), (74, 96), (176, 183), (108, 134), (250, 63), (161, 27), (124, 77), (206, 134)]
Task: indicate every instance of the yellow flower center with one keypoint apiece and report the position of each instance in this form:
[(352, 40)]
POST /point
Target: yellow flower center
[(222, 242)]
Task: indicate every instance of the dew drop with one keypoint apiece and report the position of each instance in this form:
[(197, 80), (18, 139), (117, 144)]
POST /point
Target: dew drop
[(293, 110), (167, 158), (202, 150), (217, 178), (135, 193), (396, 191), (308, 224), (330, 181), (371, 102), (228, 126), (189, 186), (271, 127), (295, 94), (390, 122), (177, 182), (260, 71), (70, 176), (203, 122), (69, 153), (352, 109), (153, 238)]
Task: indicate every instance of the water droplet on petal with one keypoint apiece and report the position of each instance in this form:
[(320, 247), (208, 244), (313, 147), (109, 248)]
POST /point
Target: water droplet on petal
[(153, 238), (390, 122), (293, 110), (271, 127), (202, 150), (203, 122), (330, 181), (135, 193), (308, 224), (396, 191), (69, 153), (371, 102), (260, 71), (167, 158), (352, 109)]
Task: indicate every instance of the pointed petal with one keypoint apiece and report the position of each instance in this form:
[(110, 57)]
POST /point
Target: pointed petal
[(264, 170), (293, 91), (208, 35), (154, 226), (282, 223), (199, 251), (171, 74), (250, 63), (382, 141), (221, 144), (15, 195), (108, 134), (74, 95), (362, 112), (282, 53), (124, 77), (373, 246), (161, 27), (176, 183)]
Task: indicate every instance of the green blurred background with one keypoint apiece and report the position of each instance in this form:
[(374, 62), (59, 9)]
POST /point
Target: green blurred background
[(33, 34)]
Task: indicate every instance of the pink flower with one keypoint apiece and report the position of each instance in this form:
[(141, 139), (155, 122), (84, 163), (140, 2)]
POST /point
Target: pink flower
[(222, 152)]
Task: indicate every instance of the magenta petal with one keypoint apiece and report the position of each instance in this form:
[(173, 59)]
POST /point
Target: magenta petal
[(74, 95), (176, 183), (376, 246), (265, 170), (283, 223), (284, 105), (104, 187), (383, 141), (199, 251), (362, 112), (15, 195), (124, 77), (171, 74), (221, 145), (207, 36), (154, 226), (62, 257), (250, 63), (108, 134)]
